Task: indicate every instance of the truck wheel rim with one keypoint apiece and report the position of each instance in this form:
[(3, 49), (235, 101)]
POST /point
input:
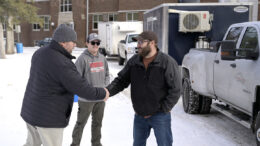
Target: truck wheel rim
[(258, 134)]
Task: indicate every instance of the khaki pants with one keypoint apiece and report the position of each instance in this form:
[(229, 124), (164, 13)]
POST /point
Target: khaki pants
[(46, 136)]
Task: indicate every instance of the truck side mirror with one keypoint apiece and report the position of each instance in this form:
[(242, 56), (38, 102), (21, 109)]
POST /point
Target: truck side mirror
[(228, 50), (214, 45), (122, 41)]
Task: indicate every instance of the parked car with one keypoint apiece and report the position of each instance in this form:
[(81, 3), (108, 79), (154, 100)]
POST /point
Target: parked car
[(111, 33), (126, 48), (44, 42)]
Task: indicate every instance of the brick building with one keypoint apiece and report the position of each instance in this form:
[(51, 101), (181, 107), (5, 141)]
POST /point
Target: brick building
[(82, 14)]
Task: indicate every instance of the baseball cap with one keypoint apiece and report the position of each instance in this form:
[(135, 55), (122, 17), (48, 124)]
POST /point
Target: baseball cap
[(146, 35), (92, 37)]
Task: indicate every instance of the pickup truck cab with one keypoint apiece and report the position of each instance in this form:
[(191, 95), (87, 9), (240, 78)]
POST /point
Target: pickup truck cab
[(126, 48), (228, 72)]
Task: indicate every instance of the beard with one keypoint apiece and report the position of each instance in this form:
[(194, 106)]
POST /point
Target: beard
[(144, 51)]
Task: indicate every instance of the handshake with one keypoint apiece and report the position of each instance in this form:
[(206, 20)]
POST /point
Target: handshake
[(107, 94)]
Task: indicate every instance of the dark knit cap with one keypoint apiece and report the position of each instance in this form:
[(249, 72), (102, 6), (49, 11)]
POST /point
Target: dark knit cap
[(146, 35), (64, 33)]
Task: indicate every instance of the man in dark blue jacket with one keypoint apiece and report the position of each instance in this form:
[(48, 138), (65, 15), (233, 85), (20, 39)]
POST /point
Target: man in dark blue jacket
[(155, 89), (53, 81)]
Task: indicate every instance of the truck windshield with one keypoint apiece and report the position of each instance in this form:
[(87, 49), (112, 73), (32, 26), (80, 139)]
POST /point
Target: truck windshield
[(130, 38)]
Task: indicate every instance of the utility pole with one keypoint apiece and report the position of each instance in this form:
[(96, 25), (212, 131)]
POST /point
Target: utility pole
[(87, 19)]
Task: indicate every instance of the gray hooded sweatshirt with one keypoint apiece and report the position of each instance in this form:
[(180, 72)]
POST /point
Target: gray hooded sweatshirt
[(94, 69)]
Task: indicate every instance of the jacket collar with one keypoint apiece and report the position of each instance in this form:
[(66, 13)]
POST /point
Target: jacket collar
[(57, 47)]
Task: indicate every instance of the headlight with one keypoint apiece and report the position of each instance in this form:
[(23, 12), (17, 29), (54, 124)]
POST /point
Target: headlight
[(131, 50)]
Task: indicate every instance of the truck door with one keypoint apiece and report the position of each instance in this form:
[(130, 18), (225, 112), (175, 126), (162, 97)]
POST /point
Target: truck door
[(222, 69), (242, 80)]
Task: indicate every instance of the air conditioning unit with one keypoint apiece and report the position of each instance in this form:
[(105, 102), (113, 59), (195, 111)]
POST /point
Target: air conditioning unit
[(194, 21)]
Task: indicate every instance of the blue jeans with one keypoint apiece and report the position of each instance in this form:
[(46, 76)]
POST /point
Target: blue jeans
[(161, 124)]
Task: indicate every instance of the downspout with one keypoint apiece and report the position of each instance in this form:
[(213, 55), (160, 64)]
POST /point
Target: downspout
[(87, 21)]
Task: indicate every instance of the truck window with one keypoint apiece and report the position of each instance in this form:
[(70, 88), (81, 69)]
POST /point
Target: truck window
[(234, 33), (130, 38), (249, 41)]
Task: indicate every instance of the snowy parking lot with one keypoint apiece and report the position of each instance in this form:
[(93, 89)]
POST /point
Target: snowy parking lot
[(213, 129)]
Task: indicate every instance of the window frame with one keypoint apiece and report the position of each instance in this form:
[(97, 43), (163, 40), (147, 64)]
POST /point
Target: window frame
[(237, 36), (132, 16), (99, 19), (37, 27), (114, 17), (4, 26), (241, 53), (65, 6), (46, 23)]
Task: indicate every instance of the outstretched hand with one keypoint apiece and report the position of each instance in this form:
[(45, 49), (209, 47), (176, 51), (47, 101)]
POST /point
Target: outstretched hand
[(107, 94)]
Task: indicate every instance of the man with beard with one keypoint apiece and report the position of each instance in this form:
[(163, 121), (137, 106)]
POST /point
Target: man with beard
[(155, 89)]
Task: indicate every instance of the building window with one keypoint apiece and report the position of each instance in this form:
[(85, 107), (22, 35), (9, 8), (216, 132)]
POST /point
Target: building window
[(112, 17), (96, 19), (132, 16), (36, 27), (65, 5), (4, 26), (36, 0), (46, 24)]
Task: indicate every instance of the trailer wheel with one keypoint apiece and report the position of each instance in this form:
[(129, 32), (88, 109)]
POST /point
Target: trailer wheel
[(121, 60), (257, 129), (205, 104), (190, 98)]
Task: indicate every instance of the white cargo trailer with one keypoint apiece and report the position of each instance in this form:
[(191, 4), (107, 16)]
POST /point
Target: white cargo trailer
[(111, 33)]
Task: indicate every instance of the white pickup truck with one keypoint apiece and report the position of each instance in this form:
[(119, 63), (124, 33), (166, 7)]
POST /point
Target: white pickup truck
[(228, 72), (126, 48)]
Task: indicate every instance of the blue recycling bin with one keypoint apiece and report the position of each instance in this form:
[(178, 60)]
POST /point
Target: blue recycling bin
[(19, 47), (75, 98)]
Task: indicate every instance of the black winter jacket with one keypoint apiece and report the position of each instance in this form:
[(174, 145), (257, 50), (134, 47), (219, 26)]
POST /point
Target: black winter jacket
[(156, 89), (49, 93)]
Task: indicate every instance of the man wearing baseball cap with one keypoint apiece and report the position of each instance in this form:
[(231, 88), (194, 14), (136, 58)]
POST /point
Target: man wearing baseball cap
[(53, 81), (92, 66), (155, 89)]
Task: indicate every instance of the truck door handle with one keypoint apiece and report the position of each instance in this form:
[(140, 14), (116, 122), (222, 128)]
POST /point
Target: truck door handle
[(233, 65), (216, 61)]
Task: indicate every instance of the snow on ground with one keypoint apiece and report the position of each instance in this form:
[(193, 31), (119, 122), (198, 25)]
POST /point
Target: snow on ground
[(188, 130)]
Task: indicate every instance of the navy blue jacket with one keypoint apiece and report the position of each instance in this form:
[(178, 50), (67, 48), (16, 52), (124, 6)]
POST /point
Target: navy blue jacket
[(154, 90), (53, 80)]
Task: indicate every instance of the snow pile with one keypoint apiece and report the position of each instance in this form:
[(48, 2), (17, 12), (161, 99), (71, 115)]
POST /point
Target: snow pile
[(188, 130)]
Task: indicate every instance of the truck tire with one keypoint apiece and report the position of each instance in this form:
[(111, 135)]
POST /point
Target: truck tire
[(205, 104), (121, 60), (103, 51), (190, 98), (257, 129)]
